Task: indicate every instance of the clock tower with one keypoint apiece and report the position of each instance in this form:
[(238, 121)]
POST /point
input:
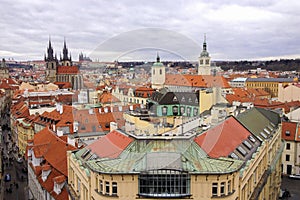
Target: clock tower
[(158, 74), (204, 66)]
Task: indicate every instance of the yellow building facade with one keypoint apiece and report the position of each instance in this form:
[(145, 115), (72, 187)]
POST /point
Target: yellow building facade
[(179, 167), (25, 132), (270, 85)]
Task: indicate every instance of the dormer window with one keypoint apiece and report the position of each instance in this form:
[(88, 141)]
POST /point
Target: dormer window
[(287, 133), (175, 98)]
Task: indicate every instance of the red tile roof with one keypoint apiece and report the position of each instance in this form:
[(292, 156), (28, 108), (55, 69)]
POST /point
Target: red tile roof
[(215, 81), (59, 179), (201, 81), (291, 128), (110, 145), (107, 98), (185, 80), (221, 140), (52, 148), (68, 70)]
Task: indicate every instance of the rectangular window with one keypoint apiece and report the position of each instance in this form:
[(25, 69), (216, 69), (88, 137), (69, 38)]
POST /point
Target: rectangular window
[(287, 133), (215, 189), (287, 157), (101, 186), (106, 187), (222, 189), (114, 188), (78, 184), (229, 187), (288, 146)]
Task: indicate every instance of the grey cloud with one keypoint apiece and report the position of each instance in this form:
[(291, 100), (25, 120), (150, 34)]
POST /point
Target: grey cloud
[(272, 30)]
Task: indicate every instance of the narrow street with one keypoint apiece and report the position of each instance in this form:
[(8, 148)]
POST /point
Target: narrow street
[(17, 187)]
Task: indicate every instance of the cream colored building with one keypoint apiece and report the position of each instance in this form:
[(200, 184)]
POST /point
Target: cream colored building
[(288, 93), (243, 162)]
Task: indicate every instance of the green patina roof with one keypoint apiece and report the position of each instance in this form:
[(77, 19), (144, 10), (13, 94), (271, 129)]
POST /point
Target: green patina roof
[(145, 155), (158, 64), (24, 123)]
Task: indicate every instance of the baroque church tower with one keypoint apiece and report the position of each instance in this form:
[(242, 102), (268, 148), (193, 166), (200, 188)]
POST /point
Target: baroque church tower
[(204, 66), (51, 64), (158, 74)]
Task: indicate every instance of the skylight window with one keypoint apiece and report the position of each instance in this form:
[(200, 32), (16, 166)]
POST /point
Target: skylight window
[(233, 155), (266, 130), (85, 153), (287, 133), (259, 138), (264, 135), (94, 156), (251, 139), (242, 150), (270, 127), (247, 144)]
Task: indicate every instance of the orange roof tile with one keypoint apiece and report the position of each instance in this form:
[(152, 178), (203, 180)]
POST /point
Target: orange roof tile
[(291, 128), (67, 70), (220, 140), (52, 148), (106, 98), (110, 145)]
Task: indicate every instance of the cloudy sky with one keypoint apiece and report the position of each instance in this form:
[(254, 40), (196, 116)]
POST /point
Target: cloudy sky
[(235, 30)]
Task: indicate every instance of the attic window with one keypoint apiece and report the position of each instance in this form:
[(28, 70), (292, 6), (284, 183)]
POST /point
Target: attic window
[(247, 144), (94, 156), (270, 127), (183, 99), (85, 153), (251, 139), (196, 100), (233, 155), (266, 130), (190, 100), (259, 138), (287, 133), (242, 150), (264, 135), (175, 98)]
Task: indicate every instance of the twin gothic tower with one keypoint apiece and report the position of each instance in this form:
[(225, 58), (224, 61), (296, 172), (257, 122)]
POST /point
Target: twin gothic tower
[(62, 70)]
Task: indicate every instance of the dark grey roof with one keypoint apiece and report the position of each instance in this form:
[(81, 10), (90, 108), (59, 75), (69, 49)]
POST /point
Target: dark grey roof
[(269, 80), (168, 98), (259, 122)]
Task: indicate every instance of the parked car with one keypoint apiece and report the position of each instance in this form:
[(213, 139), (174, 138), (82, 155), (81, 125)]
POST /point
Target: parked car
[(295, 176), (7, 177)]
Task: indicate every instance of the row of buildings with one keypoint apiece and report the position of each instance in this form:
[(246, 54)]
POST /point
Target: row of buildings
[(190, 135)]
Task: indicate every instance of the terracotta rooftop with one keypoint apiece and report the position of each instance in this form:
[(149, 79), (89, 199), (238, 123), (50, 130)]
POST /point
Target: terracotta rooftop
[(289, 130), (220, 140), (52, 148), (68, 70), (110, 145)]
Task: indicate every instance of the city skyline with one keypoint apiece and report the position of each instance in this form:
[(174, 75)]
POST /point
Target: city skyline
[(252, 30)]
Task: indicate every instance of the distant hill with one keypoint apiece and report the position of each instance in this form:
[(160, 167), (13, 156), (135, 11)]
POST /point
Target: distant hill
[(272, 65)]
